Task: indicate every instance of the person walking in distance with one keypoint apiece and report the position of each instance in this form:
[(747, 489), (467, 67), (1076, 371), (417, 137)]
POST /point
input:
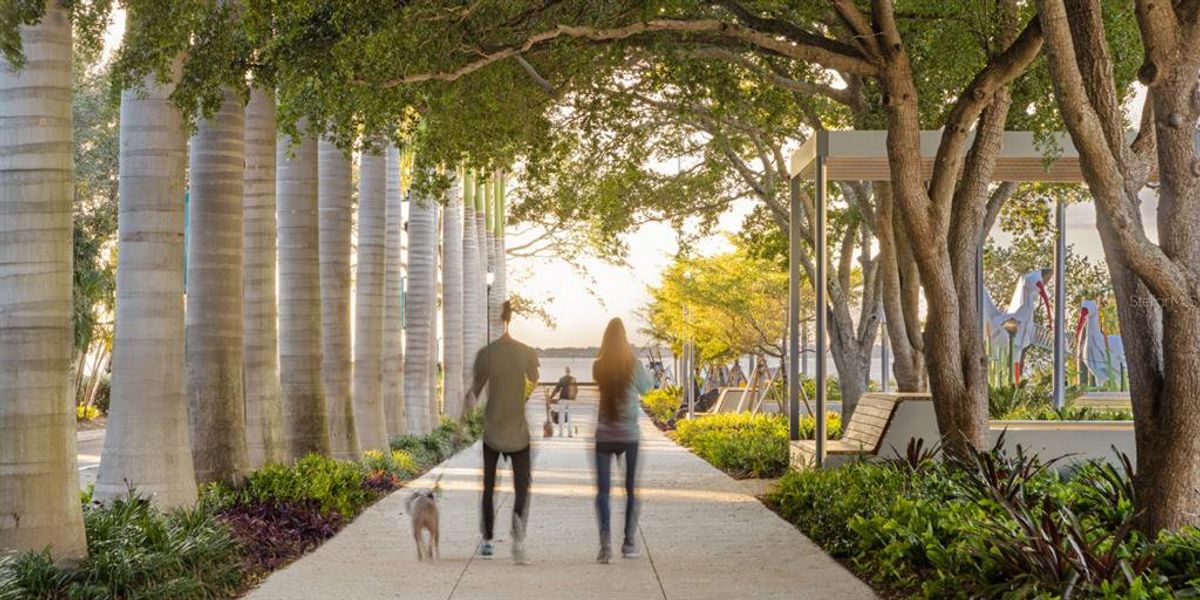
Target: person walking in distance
[(622, 380), (504, 366)]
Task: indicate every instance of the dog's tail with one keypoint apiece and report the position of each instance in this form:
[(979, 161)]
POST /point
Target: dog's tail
[(437, 484)]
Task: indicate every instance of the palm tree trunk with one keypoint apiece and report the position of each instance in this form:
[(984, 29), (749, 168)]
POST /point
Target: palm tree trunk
[(501, 258), (481, 240), (418, 307), (40, 491), (393, 306), (368, 328), (146, 445), (333, 201), (472, 298), (214, 295), (452, 303), (495, 326), (435, 407), (305, 421), (260, 344)]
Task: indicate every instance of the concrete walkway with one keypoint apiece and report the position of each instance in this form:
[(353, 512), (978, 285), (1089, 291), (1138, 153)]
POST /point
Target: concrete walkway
[(702, 537)]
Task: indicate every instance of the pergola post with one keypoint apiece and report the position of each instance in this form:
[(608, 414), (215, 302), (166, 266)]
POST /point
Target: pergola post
[(819, 257), (794, 320)]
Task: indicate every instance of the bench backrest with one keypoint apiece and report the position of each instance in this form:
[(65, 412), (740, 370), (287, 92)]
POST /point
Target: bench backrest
[(730, 400), (871, 419)]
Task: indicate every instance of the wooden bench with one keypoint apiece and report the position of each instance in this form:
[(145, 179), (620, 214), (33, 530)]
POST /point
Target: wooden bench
[(863, 436)]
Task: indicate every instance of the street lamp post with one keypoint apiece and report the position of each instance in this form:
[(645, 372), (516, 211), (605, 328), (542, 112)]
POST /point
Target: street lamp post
[(1011, 325), (491, 277)]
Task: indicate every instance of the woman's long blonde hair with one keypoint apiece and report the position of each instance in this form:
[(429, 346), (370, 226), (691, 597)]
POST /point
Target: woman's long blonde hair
[(613, 371)]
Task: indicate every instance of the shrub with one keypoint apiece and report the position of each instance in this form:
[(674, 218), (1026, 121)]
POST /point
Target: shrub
[(743, 444), (1033, 401), (661, 404), (86, 412), (335, 486), (398, 463), (135, 551), (473, 423), (998, 524)]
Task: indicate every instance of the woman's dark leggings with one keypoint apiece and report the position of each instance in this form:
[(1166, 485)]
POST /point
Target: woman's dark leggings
[(604, 455), (521, 477)]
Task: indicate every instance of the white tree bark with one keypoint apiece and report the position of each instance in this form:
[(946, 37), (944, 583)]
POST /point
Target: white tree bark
[(305, 421), (333, 201), (393, 308), (495, 297), (146, 445), (452, 302), (501, 258), (419, 306), (435, 405), (481, 240), (260, 344), (40, 483), (368, 314), (472, 293), (216, 405)]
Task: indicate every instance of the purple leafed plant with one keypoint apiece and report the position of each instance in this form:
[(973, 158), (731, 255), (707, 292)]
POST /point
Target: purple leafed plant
[(274, 533)]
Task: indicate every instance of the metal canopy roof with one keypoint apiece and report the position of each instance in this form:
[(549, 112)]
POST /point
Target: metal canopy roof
[(862, 156)]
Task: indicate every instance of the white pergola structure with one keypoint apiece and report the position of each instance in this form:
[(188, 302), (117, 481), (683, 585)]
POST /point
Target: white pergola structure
[(862, 156)]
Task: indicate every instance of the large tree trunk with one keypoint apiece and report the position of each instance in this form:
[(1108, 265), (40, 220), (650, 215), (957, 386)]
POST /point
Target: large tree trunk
[(214, 295), (147, 444), (40, 491), (393, 307), (260, 344), (900, 294), (333, 200), (418, 309), (1156, 283), (306, 425), (944, 211), (472, 292), (452, 303), (368, 302)]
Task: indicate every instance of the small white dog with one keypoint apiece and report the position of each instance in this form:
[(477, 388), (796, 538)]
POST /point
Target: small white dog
[(422, 506)]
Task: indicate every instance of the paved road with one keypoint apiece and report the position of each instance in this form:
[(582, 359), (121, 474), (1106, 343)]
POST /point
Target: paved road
[(88, 445), (703, 537)]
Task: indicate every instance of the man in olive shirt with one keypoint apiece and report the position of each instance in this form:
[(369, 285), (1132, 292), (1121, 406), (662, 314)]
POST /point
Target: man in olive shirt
[(503, 366)]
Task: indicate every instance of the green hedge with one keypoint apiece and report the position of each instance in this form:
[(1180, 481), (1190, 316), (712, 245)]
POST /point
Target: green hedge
[(998, 526), (661, 404), (746, 445)]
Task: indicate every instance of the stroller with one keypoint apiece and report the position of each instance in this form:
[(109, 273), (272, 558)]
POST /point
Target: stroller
[(558, 412)]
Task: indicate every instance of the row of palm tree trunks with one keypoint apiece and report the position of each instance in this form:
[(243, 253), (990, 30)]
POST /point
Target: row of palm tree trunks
[(296, 333)]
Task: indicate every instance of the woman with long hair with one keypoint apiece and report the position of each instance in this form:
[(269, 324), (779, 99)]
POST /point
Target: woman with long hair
[(622, 380)]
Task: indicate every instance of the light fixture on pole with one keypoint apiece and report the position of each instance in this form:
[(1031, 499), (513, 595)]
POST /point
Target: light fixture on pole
[(1011, 325), (491, 278)]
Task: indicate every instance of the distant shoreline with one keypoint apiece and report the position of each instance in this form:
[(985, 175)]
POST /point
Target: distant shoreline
[(589, 352)]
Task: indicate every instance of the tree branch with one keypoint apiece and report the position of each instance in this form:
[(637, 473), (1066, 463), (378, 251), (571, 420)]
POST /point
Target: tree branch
[(817, 49), (998, 73), (542, 82)]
